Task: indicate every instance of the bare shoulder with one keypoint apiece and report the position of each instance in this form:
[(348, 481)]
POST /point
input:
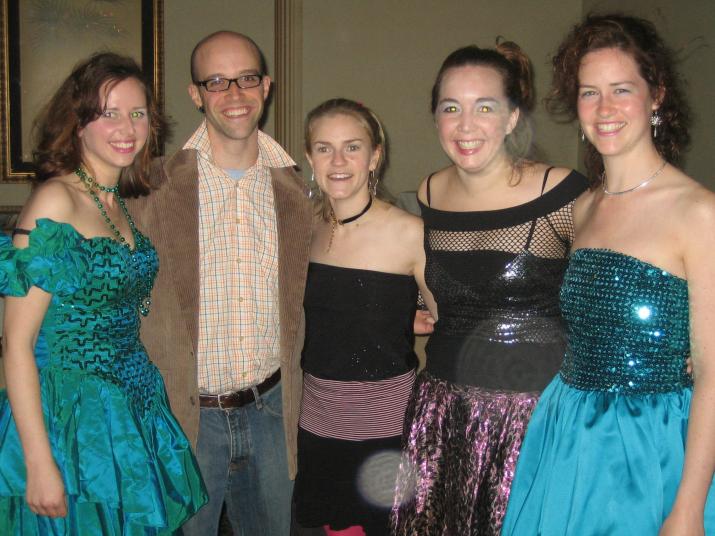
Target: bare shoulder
[(695, 205), (53, 199), (556, 175), (435, 181), (403, 224)]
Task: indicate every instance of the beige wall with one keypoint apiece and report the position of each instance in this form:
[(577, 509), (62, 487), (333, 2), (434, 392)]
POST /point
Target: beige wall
[(386, 54)]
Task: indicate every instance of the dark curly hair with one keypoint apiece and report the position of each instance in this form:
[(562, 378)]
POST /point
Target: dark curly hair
[(514, 66), (655, 60), (366, 117), (77, 103)]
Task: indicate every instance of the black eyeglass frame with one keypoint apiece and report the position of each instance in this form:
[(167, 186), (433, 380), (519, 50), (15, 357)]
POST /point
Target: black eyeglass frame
[(237, 81)]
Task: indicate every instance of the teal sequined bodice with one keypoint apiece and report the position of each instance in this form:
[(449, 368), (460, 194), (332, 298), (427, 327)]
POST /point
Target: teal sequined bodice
[(97, 286), (627, 325)]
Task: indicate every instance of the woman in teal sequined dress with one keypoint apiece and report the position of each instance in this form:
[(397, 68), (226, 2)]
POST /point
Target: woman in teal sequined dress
[(622, 442), (88, 444)]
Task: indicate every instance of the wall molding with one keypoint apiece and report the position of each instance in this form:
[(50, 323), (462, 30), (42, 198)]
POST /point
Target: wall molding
[(288, 87)]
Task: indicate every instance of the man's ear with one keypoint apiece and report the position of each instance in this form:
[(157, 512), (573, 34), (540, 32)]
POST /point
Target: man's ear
[(266, 81), (196, 96)]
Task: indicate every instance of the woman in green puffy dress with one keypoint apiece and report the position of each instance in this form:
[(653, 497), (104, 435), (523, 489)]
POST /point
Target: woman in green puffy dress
[(88, 444)]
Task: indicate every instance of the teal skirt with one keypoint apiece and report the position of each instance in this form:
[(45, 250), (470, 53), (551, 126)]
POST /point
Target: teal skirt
[(600, 463), (127, 470)]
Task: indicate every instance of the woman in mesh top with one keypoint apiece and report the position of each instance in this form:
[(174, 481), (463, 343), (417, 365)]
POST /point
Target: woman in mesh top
[(498, 229)]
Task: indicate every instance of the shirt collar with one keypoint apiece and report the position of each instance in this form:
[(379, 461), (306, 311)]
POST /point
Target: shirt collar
[(270, 153)]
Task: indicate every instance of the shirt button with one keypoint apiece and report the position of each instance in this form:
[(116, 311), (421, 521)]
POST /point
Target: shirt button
[(240, 299), (192, 400), (238, 220)]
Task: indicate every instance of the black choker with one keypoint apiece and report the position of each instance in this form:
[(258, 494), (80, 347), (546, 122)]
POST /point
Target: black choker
[(335, 221), (351, 218)]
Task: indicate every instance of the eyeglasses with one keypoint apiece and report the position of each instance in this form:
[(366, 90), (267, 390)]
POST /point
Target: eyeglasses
[(246, 81)]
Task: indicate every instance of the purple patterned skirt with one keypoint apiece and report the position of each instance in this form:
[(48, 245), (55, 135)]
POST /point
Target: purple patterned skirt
[(460, 448)]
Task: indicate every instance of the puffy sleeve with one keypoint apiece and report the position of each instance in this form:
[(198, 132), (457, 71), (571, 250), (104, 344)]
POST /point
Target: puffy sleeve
[(54, 261)]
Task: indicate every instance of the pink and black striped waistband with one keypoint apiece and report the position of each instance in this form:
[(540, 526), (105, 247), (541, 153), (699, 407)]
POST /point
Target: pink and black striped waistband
[(355, 411)]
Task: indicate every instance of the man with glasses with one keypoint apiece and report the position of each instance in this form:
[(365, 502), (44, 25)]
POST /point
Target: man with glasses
[(231, 223)]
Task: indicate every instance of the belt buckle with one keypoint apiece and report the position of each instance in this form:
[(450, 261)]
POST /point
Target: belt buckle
[(220, 399)]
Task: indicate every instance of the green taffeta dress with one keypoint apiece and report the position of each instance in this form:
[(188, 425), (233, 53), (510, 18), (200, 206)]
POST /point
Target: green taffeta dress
[(126, 464)]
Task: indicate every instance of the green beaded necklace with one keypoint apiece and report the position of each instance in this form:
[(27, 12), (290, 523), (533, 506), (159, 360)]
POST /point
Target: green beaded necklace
[(91, 184)]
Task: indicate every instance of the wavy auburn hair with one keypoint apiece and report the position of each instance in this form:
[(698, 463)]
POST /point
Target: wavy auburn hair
[(79, 101)]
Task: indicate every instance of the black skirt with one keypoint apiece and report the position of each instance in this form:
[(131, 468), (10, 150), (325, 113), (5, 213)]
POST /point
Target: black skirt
[(344, 483)]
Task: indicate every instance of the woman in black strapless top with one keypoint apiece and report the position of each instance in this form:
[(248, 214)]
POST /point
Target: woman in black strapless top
[(367, 262)]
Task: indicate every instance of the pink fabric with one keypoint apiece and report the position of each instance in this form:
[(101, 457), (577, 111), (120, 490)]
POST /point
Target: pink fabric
[(355, 410), (355, 530), (462, 444)]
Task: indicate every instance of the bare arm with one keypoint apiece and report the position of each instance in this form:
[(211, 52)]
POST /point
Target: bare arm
[(687, 514), (424, 320), (23, 319)]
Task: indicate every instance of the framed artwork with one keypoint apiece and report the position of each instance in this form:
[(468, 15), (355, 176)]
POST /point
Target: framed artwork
[(42, 40)]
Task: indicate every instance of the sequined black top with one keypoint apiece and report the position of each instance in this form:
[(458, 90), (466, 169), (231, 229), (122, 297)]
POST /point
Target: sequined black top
[(358, 323), (495, 276)]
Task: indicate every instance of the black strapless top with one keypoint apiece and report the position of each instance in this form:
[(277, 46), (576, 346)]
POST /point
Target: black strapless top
[(358, 323)]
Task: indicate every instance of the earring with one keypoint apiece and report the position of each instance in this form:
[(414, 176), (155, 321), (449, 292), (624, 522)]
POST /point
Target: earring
[(372, 183), (583, 136), (202, 109), (314, 192), (655, 120)]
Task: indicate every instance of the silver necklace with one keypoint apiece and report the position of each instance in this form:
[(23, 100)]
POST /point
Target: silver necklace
[(636, 187)]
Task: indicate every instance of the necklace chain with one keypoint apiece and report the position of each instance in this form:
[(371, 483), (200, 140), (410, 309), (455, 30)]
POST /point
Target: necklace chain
[(334, 222), (634, 188)]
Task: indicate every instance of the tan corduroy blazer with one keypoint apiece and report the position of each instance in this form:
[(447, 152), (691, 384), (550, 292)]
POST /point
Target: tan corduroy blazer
[(169, 217)]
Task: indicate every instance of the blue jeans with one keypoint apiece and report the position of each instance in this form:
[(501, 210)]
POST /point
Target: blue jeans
[(242, 456)]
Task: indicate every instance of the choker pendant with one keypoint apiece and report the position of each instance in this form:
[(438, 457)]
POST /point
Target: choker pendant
[(334, 222)]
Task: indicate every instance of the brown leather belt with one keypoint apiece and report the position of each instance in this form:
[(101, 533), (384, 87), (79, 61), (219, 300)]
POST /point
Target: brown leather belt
[(239, 398)]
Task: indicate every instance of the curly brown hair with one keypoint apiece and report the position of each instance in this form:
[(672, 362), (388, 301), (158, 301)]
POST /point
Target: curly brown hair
[(514, 66), (655, 60), (77, 103)]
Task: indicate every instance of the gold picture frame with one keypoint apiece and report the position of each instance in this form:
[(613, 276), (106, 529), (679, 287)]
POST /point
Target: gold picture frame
[(43, 39)]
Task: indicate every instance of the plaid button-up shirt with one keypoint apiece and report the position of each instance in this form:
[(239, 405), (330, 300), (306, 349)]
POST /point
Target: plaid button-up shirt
[(239, 336)]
